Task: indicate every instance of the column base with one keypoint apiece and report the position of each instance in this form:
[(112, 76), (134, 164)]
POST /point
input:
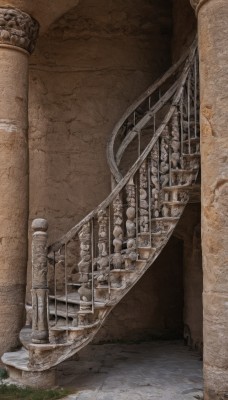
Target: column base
[(211, 395), (37, 380)]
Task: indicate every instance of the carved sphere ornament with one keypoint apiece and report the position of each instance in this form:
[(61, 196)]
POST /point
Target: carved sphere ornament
[(18, 29)]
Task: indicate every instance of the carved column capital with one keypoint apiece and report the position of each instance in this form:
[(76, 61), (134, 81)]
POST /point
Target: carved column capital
[(197, 4), (18, 29)]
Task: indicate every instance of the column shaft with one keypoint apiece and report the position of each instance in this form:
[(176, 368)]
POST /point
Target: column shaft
[(18, 32), (213, 34), (14, 191)]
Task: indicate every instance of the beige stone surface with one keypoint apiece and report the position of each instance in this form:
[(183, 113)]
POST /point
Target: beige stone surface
[(14, 192), (213, 30)]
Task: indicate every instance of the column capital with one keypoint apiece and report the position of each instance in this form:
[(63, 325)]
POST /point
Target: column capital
[(197, 4), (18, 29)]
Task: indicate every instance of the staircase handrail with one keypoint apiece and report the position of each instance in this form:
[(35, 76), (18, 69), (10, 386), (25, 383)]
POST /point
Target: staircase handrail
[(114, 163), (123, 182)]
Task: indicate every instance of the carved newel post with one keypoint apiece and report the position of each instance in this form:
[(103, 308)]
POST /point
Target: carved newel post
[(39, 281)]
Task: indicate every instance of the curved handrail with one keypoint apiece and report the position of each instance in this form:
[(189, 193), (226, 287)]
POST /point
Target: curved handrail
[(123, 182), (113, 164), (133, 132)]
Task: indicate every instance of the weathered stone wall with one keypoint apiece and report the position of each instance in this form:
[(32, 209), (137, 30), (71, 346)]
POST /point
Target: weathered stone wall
[(86, 70), (184, 27), (188, 229)]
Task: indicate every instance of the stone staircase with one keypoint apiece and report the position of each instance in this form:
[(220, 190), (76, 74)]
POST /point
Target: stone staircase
[(81, 277)]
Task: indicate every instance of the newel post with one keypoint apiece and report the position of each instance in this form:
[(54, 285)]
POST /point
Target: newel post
[(39, 281)]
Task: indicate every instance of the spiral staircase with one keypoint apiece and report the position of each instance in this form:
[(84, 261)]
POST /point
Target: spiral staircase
[(154, 158)]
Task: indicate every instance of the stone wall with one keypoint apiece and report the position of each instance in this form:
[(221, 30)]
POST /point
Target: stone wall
[(188, 229), (184, 27), (86, 70)]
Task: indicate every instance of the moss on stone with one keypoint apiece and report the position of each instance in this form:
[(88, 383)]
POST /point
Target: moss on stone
[(12, 392)]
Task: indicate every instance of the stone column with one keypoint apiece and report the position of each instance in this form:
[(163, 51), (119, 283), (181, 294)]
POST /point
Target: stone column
[(213, 36), (18, 32)]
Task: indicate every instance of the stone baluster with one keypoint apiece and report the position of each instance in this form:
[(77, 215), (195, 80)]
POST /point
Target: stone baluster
[(143, 205), (39, 290), (164, 157), (143, 202), (131, 254), (164, 166), (102, 261), (84, 266), (117, 259), (175, 141), (155, 180)]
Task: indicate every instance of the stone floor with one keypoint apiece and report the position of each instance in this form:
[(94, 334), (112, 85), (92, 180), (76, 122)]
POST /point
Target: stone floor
[(152, 370)]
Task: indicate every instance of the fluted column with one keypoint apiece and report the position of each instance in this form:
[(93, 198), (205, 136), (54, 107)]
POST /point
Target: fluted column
[(18, 32), (213, 35)]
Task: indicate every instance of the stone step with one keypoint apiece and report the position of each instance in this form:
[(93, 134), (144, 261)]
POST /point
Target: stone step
[(74, 298), (75, 328), (60, 311)]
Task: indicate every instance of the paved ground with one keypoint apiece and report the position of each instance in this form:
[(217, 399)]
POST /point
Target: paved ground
[(146, 371)]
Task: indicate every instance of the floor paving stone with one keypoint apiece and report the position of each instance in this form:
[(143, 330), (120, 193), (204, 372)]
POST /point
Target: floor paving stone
[(162, 370)]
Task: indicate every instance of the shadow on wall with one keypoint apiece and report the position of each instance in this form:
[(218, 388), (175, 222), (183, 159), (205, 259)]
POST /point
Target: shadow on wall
[(153, 309)]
